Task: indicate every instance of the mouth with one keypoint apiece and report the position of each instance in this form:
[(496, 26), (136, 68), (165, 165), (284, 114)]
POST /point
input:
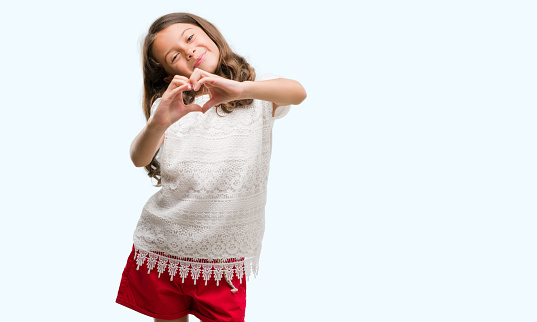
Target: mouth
[(200, 59)]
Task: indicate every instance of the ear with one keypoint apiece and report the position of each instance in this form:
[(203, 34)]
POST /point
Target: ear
[(168, 79)]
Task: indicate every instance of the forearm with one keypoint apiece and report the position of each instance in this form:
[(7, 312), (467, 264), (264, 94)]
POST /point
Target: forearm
[(280, 91), (146, 144)]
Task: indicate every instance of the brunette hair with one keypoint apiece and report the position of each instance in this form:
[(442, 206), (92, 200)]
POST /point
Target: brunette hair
[(230, 66)]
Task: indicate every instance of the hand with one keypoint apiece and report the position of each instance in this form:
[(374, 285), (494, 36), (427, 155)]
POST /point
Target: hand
[(172, 107), (221, 89)]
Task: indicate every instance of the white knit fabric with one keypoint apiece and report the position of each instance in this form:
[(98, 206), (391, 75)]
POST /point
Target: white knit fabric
[(208, 218)]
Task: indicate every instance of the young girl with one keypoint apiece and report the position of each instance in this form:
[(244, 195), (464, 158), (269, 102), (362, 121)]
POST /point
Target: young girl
[(208, 143)]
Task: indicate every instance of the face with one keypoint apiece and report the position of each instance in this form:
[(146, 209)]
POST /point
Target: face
[(182, 47)]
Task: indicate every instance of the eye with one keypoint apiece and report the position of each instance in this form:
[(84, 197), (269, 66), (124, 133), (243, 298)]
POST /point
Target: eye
[(174, 56), (190, 38)]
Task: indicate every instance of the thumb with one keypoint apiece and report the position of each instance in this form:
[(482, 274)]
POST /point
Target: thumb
[(193, 108), (210, 103)]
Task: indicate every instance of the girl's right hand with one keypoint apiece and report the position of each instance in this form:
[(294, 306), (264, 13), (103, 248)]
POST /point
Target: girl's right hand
[(171, 107)]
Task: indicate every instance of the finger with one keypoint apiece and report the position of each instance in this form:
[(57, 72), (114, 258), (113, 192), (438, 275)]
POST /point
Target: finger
[(210, 103), (177, 81), (174, 92), (207, 81), (197, 76), (193, 108), (194, 77), (174, 87), (204, 72), (179, 77), (180, 82), (198, 73)]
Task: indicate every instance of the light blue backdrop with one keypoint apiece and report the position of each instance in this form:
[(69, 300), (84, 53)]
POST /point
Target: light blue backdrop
[(402, 189)]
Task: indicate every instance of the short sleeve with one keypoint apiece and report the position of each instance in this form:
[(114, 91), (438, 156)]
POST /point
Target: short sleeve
[(153, 108), (281, 111)]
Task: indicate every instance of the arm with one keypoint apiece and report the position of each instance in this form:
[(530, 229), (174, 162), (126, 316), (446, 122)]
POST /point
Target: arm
[(279, 91), (170, 110), (146, 144)]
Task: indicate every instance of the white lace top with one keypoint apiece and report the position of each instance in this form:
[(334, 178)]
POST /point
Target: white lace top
[(208, 218)]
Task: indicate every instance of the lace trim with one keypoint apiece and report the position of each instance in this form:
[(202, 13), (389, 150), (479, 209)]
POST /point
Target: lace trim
[(196, 268)]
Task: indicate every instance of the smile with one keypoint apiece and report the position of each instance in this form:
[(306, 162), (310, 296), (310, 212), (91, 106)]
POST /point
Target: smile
[(200, 60)]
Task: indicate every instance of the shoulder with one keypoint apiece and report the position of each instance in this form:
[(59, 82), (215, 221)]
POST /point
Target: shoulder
[(276, 110)]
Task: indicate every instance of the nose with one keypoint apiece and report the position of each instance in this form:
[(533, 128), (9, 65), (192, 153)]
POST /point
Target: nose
[(191, 52)]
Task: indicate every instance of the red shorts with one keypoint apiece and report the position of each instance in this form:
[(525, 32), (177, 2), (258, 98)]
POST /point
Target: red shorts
[(168, 300)]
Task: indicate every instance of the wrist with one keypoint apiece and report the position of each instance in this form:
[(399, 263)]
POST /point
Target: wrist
[(247, 90), (155, 128)]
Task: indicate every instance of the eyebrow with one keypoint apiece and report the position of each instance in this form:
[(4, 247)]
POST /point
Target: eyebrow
[(181, 36)]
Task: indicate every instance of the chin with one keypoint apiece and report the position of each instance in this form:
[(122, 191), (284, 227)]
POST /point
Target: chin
[(208, 69)]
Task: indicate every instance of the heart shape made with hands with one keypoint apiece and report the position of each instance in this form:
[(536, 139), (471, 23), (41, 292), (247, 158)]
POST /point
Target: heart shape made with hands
[(221, 90)]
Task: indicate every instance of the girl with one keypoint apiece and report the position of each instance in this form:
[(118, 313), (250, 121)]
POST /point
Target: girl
[(207, 141)]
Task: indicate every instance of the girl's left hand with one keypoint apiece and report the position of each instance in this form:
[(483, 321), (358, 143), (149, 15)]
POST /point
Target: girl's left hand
[(221, 89)]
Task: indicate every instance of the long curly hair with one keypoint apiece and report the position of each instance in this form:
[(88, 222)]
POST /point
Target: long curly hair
[(230, 66)]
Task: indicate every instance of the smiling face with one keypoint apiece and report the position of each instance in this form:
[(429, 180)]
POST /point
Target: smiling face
[(182, 47)]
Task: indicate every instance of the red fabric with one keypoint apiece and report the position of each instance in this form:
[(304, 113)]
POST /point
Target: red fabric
[(164, 299)]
